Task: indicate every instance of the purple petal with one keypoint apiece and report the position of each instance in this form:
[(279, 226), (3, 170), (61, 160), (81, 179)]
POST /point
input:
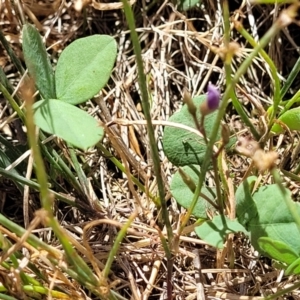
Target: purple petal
[(213, 97)]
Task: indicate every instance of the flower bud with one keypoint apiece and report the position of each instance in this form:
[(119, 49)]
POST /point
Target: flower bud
[(212, 100), (187, 99)]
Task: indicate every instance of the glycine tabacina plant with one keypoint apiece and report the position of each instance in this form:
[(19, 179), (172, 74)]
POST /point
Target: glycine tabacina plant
[(262, 214), (82, 70)]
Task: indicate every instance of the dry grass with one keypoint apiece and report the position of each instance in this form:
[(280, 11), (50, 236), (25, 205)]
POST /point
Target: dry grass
[(180, 50)]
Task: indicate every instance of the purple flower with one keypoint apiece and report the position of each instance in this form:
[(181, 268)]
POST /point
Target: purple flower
[(213, 97)]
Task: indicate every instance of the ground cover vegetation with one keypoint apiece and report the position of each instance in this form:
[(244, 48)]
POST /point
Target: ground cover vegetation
[(149, 150)]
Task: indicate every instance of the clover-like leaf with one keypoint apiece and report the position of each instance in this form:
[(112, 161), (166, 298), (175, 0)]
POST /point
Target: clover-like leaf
[(38, 62), (68, 122), (84, 67)]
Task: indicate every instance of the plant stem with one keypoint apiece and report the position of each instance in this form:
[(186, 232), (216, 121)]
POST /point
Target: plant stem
[(46, 198), (146, 111), (12, 102), (239, 108), (56, 161), (282, 292), (120, 166), (221, 112), (290, 102), (152, 141), (32, 239), (116, 245), (293, 74), (277, 95), (73, 259), (81, 176)]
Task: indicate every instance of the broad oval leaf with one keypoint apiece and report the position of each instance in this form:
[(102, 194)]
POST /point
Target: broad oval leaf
[(184, 195), (246, 209), (290, 118), (215, 231), (277, 250), (67, 122), (84, 67), (267, 215), (38, 62), (183, 147)]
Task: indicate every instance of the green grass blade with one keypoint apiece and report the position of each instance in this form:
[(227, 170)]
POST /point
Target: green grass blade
[(11, 53)]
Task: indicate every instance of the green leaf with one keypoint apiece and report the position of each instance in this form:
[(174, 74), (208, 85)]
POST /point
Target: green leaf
[(215, 231), (183, 147), (245, 206), (187, 4), (68, 122), (184, 196), (38, 62), (266, 215), (290, 118), (84, 67), (293, 268), (277, 250)]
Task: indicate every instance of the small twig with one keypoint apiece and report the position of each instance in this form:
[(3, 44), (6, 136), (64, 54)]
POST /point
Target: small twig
[(114, 132), (199, 284), (124, 122)]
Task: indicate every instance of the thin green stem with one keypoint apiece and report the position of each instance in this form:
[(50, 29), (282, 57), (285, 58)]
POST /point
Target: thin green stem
[(146, 111), (120, 166), (277, 95), (240, 110), (226, 19), (282, 292), (228, 72), (218, 186), (12, 102), (114, 250), (292, 175), (221, 112), (81, 176), (81, 268), (5, 297), (39, 164), (32, 239), (227, 63), (55, 159), (293, 74), (290, 102)]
